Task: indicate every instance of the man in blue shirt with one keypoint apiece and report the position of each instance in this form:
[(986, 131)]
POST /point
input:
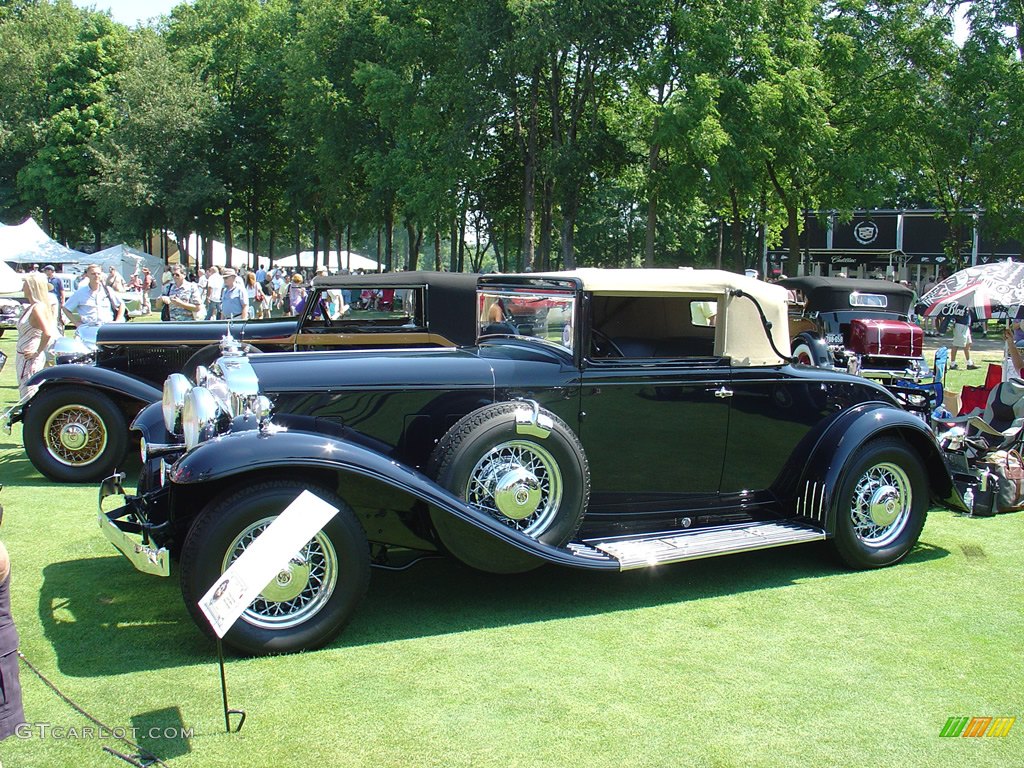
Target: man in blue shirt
[(94, 301), (58, 286), (234, 300)]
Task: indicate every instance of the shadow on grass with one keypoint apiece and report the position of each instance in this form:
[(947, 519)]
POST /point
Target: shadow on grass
[(162, 732), (17, 470), (103, 618)]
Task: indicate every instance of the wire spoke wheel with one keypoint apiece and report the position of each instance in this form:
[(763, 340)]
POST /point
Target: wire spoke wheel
[(517, 482), (300, 589), (75, 435), (881, 504)]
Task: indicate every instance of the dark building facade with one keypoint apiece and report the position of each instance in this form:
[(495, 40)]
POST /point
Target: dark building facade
[(895, 244)]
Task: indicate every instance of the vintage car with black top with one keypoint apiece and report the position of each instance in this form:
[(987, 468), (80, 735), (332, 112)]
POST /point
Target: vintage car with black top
[(859, 326), (76, 422), (619, 429)]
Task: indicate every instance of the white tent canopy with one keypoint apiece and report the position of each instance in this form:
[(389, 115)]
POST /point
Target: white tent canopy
[(10, 281), (239, 258), (26, 243), (334, 260), (128, 260)]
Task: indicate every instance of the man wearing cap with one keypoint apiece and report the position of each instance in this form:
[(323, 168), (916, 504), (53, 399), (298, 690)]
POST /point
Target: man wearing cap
[(94, 301), (58, 286), (234, 300)]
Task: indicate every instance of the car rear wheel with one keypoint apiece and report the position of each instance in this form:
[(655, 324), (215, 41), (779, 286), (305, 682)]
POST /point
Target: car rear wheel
[(883, 503), (75, 435), (531, 477), (312, 598), (802, 354)]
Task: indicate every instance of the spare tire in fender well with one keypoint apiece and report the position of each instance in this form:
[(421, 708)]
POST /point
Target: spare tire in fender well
[(520, 464)]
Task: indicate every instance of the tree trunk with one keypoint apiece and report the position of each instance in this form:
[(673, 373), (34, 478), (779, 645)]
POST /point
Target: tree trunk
[(739, 261), (415, 236), (546, 223), (530, 175), (228, 238), (348, 249), (389, 236), (570, 206), (462, 239), (453, 265), (652, 201), (437, 249), (718, 245), (316, 243)]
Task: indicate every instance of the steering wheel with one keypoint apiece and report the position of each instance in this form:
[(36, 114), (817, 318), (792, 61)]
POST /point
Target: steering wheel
[(601, 345)]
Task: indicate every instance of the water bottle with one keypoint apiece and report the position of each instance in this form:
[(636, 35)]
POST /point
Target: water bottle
[(969, 499)]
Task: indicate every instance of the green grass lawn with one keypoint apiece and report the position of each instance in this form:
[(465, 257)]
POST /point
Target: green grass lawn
[(776, 658)]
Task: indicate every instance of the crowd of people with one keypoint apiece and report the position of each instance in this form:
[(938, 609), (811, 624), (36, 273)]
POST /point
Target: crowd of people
[(216, 293)]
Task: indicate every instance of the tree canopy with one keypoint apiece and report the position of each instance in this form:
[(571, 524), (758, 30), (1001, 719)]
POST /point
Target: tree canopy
[(513, 134)]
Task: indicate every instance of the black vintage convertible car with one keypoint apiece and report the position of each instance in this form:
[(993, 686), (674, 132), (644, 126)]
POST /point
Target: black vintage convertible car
[(76, 421), (618, 429)]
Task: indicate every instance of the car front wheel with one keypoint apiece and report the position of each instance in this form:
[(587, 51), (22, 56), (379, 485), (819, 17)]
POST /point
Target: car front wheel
[(75, 435), (883, 502), (313, 596)]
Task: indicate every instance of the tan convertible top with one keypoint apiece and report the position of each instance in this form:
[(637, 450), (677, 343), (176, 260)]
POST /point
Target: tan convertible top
[(740, 334)]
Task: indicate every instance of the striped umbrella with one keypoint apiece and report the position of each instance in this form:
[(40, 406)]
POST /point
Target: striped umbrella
[(980, 288)]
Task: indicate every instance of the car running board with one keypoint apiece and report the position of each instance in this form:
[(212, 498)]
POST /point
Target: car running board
[(676, 546)]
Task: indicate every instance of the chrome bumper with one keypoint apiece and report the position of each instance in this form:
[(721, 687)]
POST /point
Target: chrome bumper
[(127, 536), (13, 414)]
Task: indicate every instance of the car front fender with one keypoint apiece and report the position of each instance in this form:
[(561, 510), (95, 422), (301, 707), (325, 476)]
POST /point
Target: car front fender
[(826, 461), (123, 385), (261, 452)]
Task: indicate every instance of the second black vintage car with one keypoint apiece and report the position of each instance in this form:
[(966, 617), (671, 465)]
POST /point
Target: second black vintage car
[(859, 326), (76, 421), (645, 417)]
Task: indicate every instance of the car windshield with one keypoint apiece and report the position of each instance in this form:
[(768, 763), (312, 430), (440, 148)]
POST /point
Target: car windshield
[(543, 315)]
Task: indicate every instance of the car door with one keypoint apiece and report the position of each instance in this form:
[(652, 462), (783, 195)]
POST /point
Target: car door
[(655, 433), (654, 404)]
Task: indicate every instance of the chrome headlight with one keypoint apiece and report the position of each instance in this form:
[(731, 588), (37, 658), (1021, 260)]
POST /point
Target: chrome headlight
[(88, 335), (202, 375), (202, 417), (173, 400), (73, 350)]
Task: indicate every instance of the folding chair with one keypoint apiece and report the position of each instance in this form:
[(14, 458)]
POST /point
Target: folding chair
[(975, 398), (921, 398), (998, 425)]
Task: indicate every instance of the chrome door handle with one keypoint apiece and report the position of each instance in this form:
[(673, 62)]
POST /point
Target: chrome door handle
[(722, 392)]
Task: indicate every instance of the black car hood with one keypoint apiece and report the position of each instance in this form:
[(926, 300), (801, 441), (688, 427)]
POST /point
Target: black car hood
[(192, 332), (380, 369)]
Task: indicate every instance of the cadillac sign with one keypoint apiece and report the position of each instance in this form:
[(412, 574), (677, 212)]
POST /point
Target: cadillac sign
[(866, 232)]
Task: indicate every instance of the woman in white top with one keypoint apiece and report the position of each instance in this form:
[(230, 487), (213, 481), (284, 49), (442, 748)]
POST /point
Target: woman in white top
[(36, 329)]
